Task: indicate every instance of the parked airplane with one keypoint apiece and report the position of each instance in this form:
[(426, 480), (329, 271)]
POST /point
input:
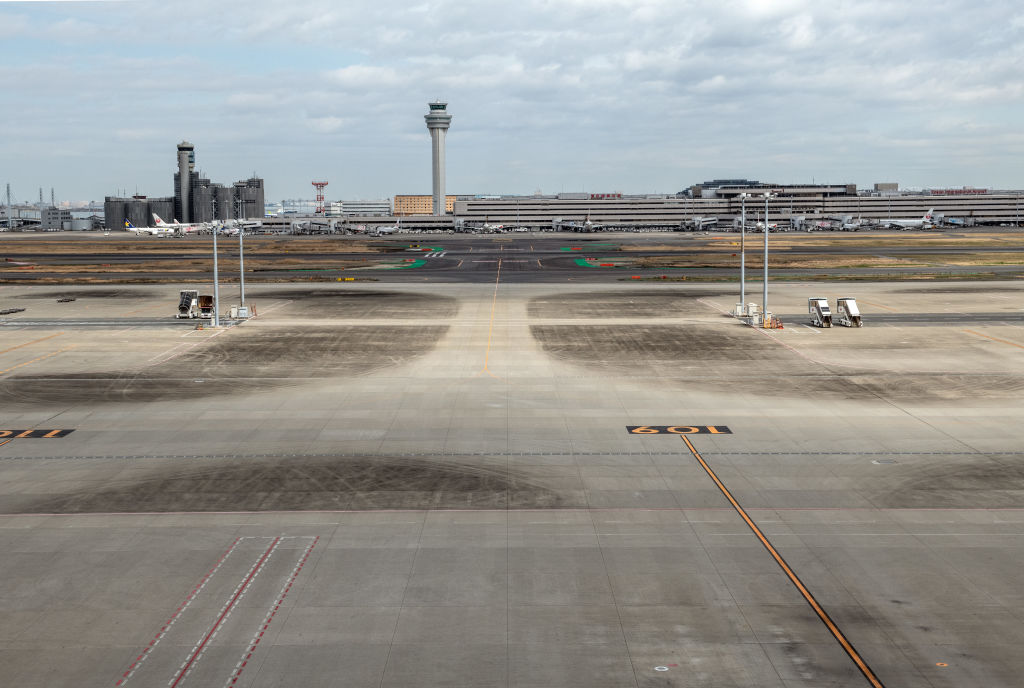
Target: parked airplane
[(391, 229), (587, 225), (923, 222), (486, 227), (129, 227), (178, 227)]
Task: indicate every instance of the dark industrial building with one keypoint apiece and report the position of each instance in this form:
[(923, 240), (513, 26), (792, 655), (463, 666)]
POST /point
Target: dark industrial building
[(199, 200)]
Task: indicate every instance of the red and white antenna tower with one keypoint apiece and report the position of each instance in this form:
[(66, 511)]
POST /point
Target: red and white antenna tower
[(320, 197)]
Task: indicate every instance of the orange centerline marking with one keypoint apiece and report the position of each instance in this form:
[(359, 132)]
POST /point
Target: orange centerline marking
[(878, 305), (34, 341), (38, 358), (995, 339), (794, 579)]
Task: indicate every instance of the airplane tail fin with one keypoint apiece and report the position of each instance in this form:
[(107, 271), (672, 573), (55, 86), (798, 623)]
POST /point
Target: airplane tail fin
[(928, 216), (157, 220), (128, 224)]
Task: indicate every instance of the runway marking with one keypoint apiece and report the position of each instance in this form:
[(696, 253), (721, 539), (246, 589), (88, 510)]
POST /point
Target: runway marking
[(144, 655), (878, 305), (243, 587), (172, 353), (271, 613), (490, 327), (822, 614), (39, 358), (34, 434), (995, 339), (34, 341), (678, 430)]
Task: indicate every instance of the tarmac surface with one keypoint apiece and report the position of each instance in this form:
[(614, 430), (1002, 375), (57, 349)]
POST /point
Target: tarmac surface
[(504, 483), (532, 257)]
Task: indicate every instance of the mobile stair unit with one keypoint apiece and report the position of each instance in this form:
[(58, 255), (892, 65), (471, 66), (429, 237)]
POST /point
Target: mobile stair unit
[(819, 311), (847, 313), (188, 304)]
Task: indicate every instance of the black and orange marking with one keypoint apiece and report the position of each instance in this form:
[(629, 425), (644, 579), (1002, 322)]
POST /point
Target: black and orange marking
[(33, 434), (678, 430), (847, 646)]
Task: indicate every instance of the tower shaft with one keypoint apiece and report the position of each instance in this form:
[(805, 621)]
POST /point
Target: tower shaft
[(438, 120)]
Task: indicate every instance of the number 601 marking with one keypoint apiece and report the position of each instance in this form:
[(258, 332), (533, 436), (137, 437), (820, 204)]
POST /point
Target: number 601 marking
[(678, 430)]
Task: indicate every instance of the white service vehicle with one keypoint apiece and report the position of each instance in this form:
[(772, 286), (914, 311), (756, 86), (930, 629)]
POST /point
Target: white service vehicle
[(188, 304), (819, 311), (847, 313)]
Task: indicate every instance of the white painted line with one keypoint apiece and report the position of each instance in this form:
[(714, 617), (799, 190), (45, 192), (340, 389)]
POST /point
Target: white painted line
[(275, 606), (144, 655), (812, 329), (199, 649)]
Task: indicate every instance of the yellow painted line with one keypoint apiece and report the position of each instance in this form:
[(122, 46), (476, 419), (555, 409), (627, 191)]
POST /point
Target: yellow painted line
[(39, 358), (995, 339), (822, 614), (878, 305), (490, 328), (34, 341)]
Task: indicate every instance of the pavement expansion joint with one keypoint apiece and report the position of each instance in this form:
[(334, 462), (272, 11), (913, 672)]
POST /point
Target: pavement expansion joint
[(494, 453)]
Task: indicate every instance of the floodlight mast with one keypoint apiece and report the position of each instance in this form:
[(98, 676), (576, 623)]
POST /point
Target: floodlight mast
[(764, 296), (743, 256), (216, 283)]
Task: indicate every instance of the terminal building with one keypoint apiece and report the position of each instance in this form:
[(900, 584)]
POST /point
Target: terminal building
[(732, 188), (792, 202), (198, 200), (408, 204), (378, 208)]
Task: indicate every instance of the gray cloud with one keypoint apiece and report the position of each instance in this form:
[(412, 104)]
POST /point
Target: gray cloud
[(602, 94)]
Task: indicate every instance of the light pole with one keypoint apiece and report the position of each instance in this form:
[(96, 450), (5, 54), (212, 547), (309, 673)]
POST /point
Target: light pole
[(743, 254), (241, 266), (764, 297), (216, 284), (241, 257)]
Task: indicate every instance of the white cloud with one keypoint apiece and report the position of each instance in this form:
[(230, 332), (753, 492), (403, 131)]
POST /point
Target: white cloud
[(325, 125), (365, 75)]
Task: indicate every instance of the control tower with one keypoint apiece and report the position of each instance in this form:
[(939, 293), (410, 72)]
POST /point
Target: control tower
[(186, 163), (438, 121)]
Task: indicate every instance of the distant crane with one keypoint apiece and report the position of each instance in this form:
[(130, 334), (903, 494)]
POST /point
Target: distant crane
[(319, 186)]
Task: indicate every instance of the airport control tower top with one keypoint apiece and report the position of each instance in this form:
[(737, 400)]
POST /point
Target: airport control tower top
[(438, 117), (187, 148)]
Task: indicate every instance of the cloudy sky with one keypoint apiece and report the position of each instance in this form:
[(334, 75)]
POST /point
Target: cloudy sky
[(557, 95)]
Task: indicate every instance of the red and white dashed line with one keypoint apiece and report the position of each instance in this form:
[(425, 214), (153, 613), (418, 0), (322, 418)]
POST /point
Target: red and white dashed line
[(197, 651), (271, 613), (144, 655)]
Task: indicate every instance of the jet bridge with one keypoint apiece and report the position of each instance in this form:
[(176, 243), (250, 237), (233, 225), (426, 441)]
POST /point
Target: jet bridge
[(847, 313), (819, 311)]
